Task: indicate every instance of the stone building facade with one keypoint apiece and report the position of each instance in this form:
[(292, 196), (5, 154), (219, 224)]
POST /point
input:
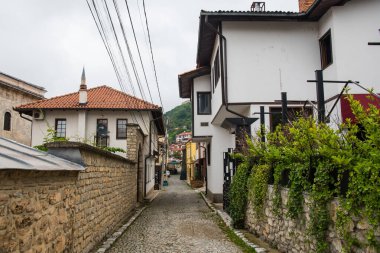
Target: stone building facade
[(14, 92), (135, 142), (66, 211)]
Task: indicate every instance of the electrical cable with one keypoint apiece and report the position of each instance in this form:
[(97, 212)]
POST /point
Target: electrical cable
[(151, 52), (138, 50)]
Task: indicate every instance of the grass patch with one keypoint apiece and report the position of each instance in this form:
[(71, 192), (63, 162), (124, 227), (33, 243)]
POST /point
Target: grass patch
[(233, 237)]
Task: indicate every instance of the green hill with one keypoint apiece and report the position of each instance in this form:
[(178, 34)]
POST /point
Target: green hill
[(179, 120)]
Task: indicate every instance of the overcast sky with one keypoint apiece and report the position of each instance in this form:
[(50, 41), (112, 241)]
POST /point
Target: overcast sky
[(47, 42)]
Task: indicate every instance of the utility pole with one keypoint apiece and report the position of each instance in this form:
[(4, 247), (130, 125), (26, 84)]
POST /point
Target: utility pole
[(320, 96)]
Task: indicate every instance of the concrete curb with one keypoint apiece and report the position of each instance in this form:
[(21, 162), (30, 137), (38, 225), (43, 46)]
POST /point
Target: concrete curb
[(228, 221), (108, 243)]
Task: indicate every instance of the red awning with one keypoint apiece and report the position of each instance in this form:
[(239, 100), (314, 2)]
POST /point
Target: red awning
[(364, 99)]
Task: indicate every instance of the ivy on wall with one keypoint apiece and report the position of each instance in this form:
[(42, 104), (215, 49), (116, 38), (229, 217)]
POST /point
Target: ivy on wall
[(305, 156)]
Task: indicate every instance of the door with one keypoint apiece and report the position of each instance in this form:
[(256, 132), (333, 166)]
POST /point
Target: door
[(102, 133)]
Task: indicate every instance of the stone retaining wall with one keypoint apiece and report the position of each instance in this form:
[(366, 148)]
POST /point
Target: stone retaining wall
[(36, 210), (66, 211), (106, 193), (290, 235)]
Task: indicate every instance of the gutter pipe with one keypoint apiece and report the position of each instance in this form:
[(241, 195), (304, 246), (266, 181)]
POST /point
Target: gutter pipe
[(224, 69), (31, 127), (24, 117)]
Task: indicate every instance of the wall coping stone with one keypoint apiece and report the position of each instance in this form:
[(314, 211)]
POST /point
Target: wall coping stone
[(58, 149)]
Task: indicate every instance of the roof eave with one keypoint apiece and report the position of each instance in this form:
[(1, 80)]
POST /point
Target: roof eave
[(84, 108), (17, 79), (185, 80), (314, 13)]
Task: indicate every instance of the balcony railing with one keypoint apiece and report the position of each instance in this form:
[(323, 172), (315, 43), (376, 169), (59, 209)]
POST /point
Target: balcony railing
[(102, 140)]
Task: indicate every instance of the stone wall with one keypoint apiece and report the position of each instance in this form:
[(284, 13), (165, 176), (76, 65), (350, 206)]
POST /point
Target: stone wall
[(36, 210), (135, 153), (106, 194), (66, 211), (290, 235)]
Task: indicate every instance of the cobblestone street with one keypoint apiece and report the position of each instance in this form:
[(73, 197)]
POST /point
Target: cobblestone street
[(178, 220)]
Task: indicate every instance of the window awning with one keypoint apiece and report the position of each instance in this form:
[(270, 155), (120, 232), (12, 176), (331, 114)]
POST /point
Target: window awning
[(364, 99)]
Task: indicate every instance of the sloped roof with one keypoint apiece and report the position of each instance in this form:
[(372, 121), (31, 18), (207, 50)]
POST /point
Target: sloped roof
[(185, 80), (208, 19), (14, 155), (102, 97)]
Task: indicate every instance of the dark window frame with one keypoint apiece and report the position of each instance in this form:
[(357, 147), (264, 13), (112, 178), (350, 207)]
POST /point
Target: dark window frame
[(117, 129), (198, 95), (100, 141), (209, 154), (216, 71), (56, 127), (7, 121), (325, 50), (275, 117)]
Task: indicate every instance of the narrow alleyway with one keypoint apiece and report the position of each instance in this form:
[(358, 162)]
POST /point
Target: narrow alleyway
[(178, 220)]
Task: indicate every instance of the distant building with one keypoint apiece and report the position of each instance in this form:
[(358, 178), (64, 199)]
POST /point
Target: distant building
[(14, 92), (183, 137), (176, 148)]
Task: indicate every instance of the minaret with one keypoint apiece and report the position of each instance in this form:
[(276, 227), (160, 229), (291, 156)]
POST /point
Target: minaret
[(83, 89)]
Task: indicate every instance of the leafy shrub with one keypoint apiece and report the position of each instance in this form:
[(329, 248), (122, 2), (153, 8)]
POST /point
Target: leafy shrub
[(317, 159)]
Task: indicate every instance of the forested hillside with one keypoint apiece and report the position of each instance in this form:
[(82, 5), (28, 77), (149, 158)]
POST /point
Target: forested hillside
[(179, 120)]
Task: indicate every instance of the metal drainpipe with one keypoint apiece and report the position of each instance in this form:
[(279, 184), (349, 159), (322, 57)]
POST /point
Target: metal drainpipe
[(224, 69), (31, 127)]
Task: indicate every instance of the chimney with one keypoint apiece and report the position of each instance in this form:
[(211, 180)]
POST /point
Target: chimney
[(83, 89), (304, 5), (258, 6)]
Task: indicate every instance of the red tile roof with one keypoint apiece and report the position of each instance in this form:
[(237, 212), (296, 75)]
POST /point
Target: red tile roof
[(102, 97)]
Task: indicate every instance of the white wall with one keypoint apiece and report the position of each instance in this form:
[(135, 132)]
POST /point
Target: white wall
[(149, 181), (40, 127), (216, 96), (221, 141), (352, 27), (265, 58), (201, 84)]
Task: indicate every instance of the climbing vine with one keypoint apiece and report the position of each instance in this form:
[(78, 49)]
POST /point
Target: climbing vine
[(238, 201), (323, 163)]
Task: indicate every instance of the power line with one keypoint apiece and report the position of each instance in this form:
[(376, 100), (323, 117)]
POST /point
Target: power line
[(138, 50), (129, 51), (123, 58), (106, 40), (151, 52), (119, 47), (108, 48), (105, 43)]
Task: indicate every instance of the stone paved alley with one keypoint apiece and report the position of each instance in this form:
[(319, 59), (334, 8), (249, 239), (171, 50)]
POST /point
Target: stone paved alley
[(178, 220)]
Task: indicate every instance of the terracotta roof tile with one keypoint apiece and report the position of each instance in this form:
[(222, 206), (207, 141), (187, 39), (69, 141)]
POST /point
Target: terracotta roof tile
[(102, 97)]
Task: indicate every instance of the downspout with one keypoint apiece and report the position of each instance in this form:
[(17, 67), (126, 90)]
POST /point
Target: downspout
[(24, 117), (31, 127), (224, 69)]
